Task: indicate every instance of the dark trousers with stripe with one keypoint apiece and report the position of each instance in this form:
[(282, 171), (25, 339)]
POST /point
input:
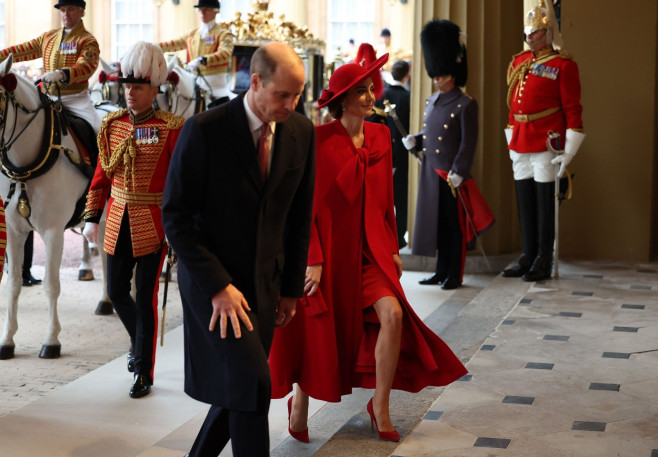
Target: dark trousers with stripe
[(139, 316)]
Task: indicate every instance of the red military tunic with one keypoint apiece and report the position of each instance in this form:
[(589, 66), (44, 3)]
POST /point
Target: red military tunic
[(133, 170), (543, 95), (217, 48), (77, 54)]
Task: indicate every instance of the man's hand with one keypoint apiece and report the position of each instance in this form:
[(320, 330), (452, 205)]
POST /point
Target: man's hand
[(398, 264), (312, 281), (455, 179), (91, 232), (285, 311), (193, 65), (409, 142), (229, 303), (54, 76)]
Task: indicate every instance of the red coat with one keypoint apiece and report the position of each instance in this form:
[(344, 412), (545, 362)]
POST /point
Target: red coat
[(135, 188), (547, 81), (328, 348)]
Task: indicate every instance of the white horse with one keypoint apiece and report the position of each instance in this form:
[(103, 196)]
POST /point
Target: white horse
[(186, 93), (107, 90), (40, 193)]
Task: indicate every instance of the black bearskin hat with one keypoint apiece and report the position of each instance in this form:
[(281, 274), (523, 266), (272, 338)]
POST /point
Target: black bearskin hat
[(444, 53)]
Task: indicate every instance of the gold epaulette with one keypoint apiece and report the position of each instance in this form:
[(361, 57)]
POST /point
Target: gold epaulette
[(565, 55), (174, 121), (106, 121)]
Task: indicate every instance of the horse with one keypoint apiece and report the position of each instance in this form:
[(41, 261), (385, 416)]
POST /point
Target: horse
[(107, 90), (43, 188), (186, 93)]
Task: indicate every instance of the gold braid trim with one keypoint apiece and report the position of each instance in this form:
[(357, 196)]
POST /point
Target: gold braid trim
[(516, 75), (109, 162), (173, 121)]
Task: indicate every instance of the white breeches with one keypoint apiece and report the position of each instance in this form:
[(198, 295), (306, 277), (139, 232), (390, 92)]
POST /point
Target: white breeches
[(536, 165), (81, 105)]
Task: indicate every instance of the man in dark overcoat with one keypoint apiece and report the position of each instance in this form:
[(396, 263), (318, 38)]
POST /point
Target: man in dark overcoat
[(448, 141), (240, 222)]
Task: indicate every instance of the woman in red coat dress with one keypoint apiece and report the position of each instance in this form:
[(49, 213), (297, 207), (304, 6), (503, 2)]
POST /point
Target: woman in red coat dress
[(354, 327)]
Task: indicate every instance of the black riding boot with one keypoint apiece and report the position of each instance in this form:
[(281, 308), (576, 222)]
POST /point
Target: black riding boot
[(543, 263), (28, 249), (527, 206)]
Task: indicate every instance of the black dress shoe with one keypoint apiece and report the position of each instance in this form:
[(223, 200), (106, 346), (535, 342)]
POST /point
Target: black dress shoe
[(30, 281), (450, 283), (519, 268), (436, 278), (141, 386), (541, 269)]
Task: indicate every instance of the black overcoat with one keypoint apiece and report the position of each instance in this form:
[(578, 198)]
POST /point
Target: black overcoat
[(228, 225)]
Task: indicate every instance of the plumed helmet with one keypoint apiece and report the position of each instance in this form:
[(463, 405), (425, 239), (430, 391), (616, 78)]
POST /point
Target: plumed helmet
[(80, 3), (444, 51), (541, 17), (144, 63)]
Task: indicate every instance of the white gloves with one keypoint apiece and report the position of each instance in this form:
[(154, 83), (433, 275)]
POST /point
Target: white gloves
[(508, 135), (91, 232), (409, 142), (54, 76), (455, 179), (572, 143), (193, 65)]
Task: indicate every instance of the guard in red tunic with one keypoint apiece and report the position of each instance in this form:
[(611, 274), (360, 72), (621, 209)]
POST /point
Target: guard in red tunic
[(543, 96), (135, 146), (70, 56), (209, 50)]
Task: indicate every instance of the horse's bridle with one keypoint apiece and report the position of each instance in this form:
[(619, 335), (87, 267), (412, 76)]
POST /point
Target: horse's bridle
[(7, 97)]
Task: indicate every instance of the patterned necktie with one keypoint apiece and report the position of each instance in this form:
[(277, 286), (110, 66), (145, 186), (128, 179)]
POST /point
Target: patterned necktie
[(263, 149)]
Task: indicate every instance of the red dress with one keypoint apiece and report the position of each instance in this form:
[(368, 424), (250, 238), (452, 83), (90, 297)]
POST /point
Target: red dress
[(329, 347)]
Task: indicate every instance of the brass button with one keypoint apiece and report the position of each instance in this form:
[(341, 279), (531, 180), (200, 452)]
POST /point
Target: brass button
[(424, 149), (427, 102), (437, 151), (459, 106), (425, 125), (445, 126), (424, 137), (440, 138), (452, 114)]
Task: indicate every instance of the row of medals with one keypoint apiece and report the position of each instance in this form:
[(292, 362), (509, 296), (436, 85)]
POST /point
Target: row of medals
[(146, 135)]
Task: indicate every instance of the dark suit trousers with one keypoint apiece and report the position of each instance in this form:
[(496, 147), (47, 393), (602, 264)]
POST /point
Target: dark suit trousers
[(248, 430), (450, 234), (140, 316)]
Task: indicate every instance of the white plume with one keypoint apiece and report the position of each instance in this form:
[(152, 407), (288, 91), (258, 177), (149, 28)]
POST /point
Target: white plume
[(145, 60)]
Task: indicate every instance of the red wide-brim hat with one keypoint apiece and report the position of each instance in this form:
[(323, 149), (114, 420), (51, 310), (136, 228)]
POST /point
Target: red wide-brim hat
[(348, 76)]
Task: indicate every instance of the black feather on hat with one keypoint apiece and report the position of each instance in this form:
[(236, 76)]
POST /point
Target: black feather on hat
[(444, 54)]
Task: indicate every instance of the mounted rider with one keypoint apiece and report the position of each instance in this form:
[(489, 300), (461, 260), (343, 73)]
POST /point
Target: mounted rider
[(70, 56), (136, 145), (209, 49)]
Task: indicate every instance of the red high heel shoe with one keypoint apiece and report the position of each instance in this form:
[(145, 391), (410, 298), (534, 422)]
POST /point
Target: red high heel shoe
[(386, 436), (299, 436)]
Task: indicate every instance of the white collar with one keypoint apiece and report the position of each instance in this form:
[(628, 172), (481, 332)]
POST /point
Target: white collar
[(254, 121), (206, 27)]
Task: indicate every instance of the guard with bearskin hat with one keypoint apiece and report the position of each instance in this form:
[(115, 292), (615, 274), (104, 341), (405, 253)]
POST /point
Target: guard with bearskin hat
[(135, 147), (543, 97), (450, 210), (209, 50), (70, 56)]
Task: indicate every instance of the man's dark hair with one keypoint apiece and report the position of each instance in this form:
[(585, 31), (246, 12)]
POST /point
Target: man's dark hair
[(399, 70)]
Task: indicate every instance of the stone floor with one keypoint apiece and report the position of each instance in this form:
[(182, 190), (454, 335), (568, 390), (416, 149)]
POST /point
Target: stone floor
[(564, 367)]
